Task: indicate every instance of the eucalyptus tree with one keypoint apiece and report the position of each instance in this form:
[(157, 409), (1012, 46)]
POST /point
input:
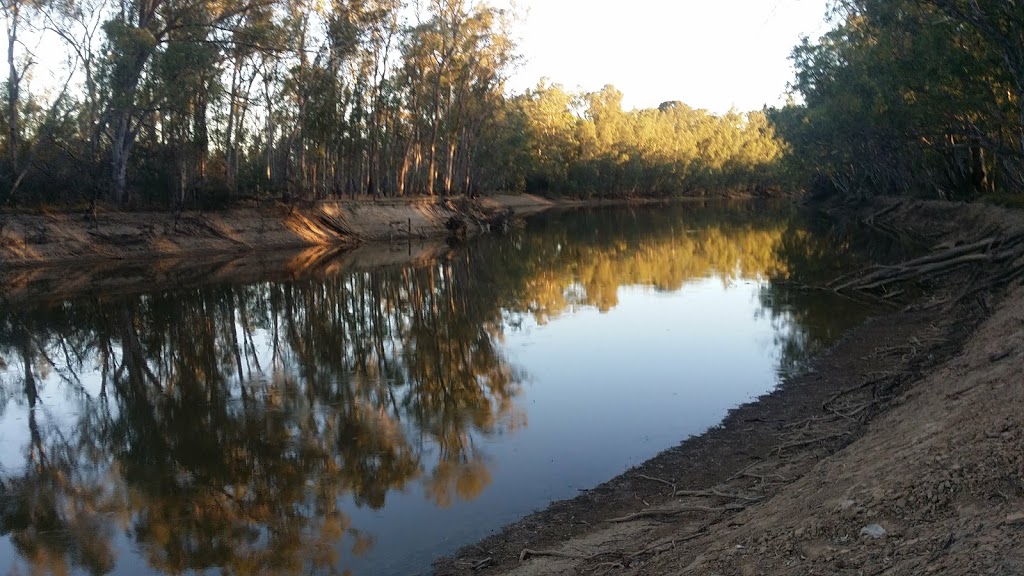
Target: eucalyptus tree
[(178, 102), (15, 14), (552, 136), (252, 34), (587, 144), (997, 27), (137, 31), (455, 66), (27, 118), (912, 96)]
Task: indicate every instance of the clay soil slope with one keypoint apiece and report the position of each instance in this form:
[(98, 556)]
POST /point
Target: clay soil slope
[(58, 237), (900, 452)]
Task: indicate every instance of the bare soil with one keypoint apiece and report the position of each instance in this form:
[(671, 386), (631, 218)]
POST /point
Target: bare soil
[(49, 238), (900, 452), (53, 255), (55, 283)]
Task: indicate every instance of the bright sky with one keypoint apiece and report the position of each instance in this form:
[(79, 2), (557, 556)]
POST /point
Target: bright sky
[(710, 54)]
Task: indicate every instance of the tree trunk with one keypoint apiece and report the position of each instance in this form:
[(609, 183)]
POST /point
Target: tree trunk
[(449, 168), (120, 148), (122, 109), (13, 86), (230, 155), (202, 135)]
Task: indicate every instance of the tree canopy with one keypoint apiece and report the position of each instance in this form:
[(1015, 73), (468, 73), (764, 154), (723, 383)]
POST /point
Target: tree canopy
[(195, 102), (915, 97)]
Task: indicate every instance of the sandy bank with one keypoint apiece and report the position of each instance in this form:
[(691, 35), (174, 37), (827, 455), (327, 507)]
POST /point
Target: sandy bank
[(900, 452), (55, 283), (53, 238)]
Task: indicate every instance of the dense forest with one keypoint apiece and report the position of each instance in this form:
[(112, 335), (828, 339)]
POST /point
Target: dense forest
[(189, 102), (914, 97), (194, 102)]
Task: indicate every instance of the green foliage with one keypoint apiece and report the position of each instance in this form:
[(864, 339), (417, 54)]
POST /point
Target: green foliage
[(917, 97), (672, 150), (195, 102)]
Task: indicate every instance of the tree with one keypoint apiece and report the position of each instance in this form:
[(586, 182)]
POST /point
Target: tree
[(910, 97)]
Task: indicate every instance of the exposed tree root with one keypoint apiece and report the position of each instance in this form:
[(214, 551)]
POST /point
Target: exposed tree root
[(659, 480), (711, 493), (852, 411), (767, 478), (991, 261), (607, 566), (527, 553), (717, 494), (892, 379), (1006, 252), (800, 443), (675, 511), (745, 471)]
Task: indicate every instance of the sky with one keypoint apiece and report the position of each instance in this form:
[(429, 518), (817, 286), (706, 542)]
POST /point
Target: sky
[(713, 54)]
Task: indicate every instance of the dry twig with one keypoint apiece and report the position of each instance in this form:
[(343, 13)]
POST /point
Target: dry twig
[(675, 511)]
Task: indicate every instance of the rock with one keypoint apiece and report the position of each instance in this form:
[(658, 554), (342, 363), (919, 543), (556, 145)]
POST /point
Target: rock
[(873, 530)]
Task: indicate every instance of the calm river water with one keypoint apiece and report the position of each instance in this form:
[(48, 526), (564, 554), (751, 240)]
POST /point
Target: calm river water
[(372, 419)]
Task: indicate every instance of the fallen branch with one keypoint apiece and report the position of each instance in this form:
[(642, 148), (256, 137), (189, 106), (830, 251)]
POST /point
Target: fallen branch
[(875, 277), (950, 253), (710, 493), (608, 566), (675, 511), (653, 479), (670, 542), (799, 443), (870, 219), (715, 493), (905, 274), (853, 410), (766, 477), (527, 553), (745, 470), (862, 297), (866, 384), (812, 420)]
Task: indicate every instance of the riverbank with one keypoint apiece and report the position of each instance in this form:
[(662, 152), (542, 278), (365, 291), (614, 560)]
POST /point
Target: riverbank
[(35, 239), (900, 452), (43, 238)]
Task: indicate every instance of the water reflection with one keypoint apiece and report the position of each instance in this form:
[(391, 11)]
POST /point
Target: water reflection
[(229, 426)]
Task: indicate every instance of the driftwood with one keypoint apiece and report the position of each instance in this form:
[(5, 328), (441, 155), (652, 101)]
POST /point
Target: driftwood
[(481, 218), (997, 258)]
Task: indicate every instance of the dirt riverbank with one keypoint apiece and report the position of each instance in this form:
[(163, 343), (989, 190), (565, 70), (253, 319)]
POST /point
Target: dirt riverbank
[(68, 237), (900, 452), (44, 238), (32, 284)]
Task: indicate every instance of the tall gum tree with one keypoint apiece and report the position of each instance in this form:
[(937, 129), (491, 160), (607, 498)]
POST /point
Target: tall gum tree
[(137, 31)]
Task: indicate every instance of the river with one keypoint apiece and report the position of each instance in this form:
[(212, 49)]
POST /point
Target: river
[(371, 418)]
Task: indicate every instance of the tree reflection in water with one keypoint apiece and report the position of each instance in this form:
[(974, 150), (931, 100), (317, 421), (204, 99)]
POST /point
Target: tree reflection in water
[(220, 426)]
